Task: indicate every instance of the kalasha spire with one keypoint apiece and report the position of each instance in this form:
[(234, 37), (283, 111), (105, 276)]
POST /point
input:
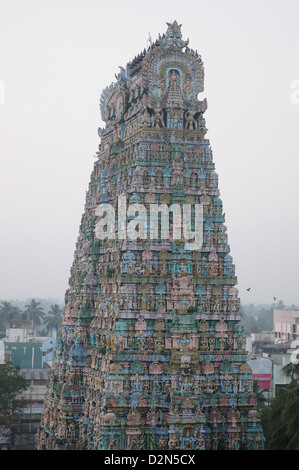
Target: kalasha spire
[(151, 353)]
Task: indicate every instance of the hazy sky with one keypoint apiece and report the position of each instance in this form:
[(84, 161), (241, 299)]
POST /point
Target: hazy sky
[(56, 57)]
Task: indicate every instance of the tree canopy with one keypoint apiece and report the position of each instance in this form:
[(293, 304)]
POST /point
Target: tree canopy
[(54, 317), (280, 416), (12, 384), (34, 312)]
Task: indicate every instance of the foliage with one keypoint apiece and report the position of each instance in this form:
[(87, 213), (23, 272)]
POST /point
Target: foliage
[(9, 311), (280, 305), (12, 384), (257, 318), (292, 370), (261, 399), (34, 312), (53, 318), (263, 407), (280, 416), (285, 419)]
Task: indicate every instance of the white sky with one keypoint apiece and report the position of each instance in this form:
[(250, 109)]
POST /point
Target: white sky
[(56, 57)]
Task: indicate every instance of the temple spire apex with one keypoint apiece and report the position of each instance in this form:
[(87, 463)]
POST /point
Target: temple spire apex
[(173, 37)]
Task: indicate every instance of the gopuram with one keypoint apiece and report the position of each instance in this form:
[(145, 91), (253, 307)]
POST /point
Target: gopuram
[(151, 353)]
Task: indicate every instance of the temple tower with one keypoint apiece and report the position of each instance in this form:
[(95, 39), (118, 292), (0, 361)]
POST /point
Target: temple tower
[(151, 353)]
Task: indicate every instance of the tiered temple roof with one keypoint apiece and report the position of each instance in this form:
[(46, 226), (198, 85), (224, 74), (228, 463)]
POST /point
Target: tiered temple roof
[(151, 353)]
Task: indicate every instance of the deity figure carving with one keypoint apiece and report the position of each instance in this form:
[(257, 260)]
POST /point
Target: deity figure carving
[(191, 122), (158, 115), (173, 442)]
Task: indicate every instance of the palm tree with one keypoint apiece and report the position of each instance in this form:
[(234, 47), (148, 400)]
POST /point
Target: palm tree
[(9, 311), (54, 317), (280, 305), (34, 313), (263, 406), (261, 400), (292, 369), (284, 415), (285, 419)]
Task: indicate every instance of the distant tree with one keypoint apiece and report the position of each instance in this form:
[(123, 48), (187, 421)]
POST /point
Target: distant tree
[(53, 318), (43, 332), (241, 309), (294, 307), (265, 319), (34, 312), (280, 305), (257, 320), (9, 311), (251, 308), (249, 323), (12, 384)]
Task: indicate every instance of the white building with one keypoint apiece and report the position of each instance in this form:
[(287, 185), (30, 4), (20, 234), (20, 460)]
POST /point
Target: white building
[(285, 325)]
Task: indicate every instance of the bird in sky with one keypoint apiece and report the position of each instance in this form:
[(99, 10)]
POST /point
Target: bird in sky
[(248, 289), (274, 298)]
